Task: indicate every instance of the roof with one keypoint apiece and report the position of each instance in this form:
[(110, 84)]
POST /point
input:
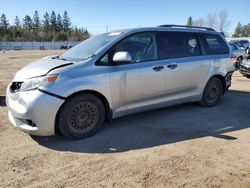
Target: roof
[(169, 28)]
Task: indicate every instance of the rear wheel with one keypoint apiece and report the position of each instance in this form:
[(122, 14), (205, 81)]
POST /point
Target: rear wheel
[(212, 92), (81, 116)]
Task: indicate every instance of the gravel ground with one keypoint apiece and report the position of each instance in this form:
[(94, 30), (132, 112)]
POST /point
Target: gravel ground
[(181, 146)]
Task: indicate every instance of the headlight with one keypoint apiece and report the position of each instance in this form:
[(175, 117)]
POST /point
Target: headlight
[(36, 82), (245, 63)]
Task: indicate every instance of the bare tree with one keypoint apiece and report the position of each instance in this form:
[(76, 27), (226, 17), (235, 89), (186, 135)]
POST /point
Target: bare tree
[(211, 20), (216, 20), (200, 22), (223, 21)]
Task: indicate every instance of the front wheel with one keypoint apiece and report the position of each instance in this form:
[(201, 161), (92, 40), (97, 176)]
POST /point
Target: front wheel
[(240, 59), (212, 92), (81, 116)]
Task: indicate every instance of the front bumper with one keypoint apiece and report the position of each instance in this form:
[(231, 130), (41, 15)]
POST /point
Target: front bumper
[(33, 112), (244, 70)]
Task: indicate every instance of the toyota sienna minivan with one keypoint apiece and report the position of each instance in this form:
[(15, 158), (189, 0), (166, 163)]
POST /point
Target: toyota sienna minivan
[(119, 73)]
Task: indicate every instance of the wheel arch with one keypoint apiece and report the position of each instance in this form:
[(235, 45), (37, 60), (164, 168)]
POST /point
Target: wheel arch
[(108, 109), (222, 79), (240, 57)]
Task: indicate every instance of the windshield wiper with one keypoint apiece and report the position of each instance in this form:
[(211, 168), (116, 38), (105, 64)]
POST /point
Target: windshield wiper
[(89, 57), (82, 59), (59, 58)]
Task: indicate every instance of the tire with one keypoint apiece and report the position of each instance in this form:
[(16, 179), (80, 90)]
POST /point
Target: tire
[(212, 92), (240, 59), (81, 116)]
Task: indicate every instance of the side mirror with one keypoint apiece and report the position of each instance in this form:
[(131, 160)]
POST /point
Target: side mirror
[(122, 57)]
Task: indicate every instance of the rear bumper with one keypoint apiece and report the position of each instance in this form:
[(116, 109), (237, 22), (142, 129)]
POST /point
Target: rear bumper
[(33, 112)]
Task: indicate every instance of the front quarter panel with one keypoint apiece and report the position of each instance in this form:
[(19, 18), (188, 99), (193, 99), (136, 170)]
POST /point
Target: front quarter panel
[(82, 78)]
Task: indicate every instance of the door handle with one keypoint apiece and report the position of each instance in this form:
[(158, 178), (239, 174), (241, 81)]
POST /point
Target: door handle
[(172, 66), (158, 67)]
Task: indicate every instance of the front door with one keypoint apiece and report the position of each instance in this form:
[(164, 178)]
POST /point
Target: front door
[(141, 82)]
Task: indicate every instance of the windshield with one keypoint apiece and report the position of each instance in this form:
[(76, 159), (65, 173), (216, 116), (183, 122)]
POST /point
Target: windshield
[(89, 47)]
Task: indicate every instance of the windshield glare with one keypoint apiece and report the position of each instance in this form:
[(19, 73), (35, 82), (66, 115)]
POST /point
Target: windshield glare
[(88, 48)]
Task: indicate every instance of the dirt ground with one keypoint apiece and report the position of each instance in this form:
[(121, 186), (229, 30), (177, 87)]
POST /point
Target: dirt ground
[(181, 146)]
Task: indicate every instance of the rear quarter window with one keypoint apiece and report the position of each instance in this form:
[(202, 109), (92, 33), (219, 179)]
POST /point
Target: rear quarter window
[(233, 46), (214, 44)]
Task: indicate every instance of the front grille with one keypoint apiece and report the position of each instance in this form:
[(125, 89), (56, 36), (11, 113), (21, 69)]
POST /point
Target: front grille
[(27, 122), (15, 87), (31, 123)]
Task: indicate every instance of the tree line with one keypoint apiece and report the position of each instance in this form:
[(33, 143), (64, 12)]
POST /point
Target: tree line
[(52, 27), (242, 30), (220, 22)]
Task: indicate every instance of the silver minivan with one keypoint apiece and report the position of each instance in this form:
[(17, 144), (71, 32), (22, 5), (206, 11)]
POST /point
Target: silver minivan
[(119, 73)]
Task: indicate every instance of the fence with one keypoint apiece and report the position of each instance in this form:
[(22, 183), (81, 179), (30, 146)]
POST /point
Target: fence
[(35, 45), (51, 45), (241, 38)]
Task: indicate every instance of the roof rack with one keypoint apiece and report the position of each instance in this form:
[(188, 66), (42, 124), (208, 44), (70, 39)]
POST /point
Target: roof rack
[(186, 26)]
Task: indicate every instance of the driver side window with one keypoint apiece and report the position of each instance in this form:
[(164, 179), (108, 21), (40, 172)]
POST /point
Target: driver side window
[(142, 47)]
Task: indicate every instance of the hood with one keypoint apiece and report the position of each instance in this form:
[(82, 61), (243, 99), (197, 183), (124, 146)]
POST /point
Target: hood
[(39, 68)]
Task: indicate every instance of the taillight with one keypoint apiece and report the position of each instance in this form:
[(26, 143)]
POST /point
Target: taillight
[(234, 59)]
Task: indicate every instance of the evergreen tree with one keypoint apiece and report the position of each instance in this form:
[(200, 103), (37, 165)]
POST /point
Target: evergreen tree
[(46, 23), (59, 23), (28, 23), (28, 29), (52, 27), (4, 25), (17, 22), (53, 20), (238, 30), (16, 29), (36, 20), (246, 30), (66, 21), (190, 21), (86, 34)]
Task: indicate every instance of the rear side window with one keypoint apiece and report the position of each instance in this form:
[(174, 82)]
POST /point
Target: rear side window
[(178, 44), (233, 46), (214, 44), (239, 44)]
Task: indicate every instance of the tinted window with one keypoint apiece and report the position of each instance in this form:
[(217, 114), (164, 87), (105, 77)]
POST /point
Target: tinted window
[(244, 41), (214, 44), (239, 44), (178, 44), (142, 47)]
